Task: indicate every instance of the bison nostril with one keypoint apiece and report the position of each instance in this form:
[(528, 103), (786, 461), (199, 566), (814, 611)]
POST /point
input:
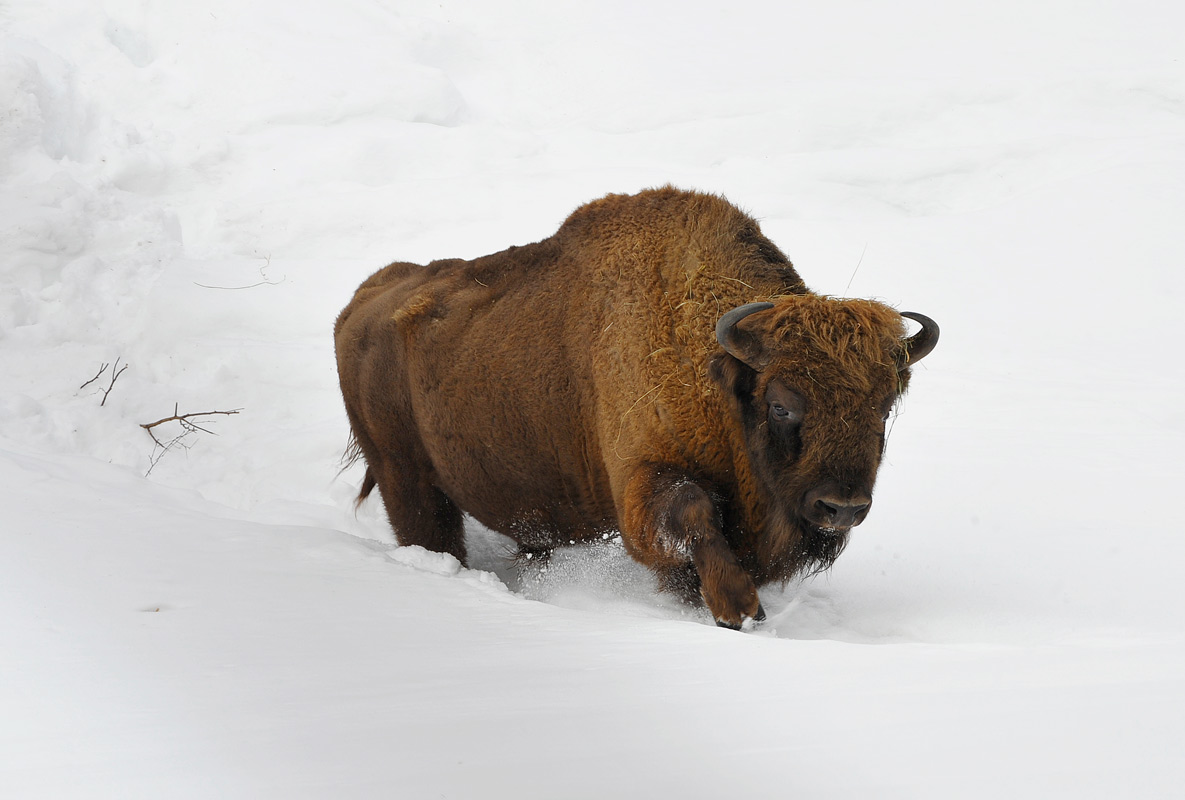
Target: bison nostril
[(859, 510), (840, 513), (828, 509)]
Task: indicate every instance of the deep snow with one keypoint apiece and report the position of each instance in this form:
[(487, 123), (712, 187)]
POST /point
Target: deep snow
[(196, 190)]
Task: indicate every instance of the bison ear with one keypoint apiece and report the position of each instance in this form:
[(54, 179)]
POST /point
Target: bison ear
[(734, 378), (741, 344), (918, 346)]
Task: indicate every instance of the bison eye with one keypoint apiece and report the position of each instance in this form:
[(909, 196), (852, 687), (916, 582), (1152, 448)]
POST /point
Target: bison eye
[(782, 414), (786, 406)]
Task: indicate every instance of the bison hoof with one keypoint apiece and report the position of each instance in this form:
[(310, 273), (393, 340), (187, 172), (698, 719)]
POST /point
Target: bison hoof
[(747, 623)]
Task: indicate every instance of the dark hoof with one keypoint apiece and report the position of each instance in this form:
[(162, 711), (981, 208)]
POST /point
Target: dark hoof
[(760, 617)]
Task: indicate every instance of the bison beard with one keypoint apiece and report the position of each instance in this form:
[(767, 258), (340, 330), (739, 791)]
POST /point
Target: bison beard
[(818, 549), (656, 367)]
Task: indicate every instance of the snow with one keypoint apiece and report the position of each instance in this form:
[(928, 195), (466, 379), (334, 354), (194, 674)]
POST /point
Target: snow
[(196, 190)]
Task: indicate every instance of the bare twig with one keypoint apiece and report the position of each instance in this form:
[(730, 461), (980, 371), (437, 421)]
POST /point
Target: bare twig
[(186, 420), (116, 371), (158, 451), (102, 369), (188, 427), (262, 274), (857, 269)]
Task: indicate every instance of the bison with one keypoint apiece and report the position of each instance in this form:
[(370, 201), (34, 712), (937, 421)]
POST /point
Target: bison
[(655, 368)]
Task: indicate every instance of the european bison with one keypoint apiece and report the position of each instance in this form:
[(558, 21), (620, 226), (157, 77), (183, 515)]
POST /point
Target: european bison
[(656, 367)]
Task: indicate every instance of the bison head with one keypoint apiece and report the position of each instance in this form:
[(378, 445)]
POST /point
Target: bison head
[(813, 380)]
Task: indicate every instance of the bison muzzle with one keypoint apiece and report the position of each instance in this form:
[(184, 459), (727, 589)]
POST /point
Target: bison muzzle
[(655, 368)]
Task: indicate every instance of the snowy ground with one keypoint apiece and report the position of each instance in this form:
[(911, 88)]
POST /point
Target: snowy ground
[(196, 189)]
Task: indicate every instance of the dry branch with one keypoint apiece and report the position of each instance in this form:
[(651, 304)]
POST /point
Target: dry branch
[(116, 371), (102, 369), (262, 273), (186, 420), (188, 427)]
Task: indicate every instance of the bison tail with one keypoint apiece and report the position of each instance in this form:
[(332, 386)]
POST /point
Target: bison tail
[(368, 484), (350, 457)]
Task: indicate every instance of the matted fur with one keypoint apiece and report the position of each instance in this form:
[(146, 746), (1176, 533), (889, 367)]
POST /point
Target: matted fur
[(851, 338), (571, 387)]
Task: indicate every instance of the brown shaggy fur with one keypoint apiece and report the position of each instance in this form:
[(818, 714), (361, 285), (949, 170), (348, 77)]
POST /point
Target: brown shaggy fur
[(574, 386)]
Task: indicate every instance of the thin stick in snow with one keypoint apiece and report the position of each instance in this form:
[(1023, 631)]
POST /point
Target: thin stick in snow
[(115, 373), (262, 273), (102, 369), (186, 421), (188, 426)]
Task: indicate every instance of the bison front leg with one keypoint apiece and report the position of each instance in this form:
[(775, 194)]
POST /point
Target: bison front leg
[(672, 526)]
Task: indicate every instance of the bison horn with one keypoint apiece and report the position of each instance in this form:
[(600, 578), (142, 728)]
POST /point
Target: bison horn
[(921, 343), (737, 343)]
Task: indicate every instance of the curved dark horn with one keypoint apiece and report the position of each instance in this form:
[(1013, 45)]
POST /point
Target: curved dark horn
[(921, 343), (734, 342)]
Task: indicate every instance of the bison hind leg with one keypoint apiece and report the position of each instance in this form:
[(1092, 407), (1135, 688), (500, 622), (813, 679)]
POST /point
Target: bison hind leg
[(421, 514)]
